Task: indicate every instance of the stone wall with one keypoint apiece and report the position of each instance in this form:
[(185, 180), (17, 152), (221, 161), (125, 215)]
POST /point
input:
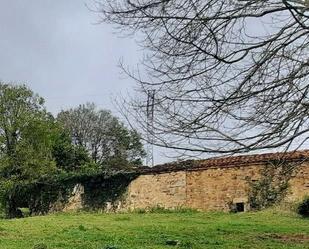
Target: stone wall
[(205, 189), (299, 184), (165, 190), (215, 188), (218, 189)]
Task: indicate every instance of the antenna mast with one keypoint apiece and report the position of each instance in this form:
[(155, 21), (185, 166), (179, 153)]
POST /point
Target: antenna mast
[(150, 119)]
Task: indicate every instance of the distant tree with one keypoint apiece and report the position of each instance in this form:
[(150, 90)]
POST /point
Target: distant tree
[(229, 76), (107, 140)]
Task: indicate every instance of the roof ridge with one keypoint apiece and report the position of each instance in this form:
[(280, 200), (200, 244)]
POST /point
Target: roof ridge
[(228, 161)]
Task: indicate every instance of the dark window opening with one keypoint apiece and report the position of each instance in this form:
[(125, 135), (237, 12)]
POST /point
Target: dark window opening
[(240, 207)]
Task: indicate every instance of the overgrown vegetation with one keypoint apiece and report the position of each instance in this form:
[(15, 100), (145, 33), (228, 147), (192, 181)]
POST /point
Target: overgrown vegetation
[(41, 158), (51, 193), (158, 230), (273, 184)]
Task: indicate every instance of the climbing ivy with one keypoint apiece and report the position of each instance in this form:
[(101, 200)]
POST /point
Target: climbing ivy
[(39, 195), (272, 187)]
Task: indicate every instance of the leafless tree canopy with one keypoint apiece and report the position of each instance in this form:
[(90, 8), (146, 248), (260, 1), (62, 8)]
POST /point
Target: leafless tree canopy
[(229, 75)]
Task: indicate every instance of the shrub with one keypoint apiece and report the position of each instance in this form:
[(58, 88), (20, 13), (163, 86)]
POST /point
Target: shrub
[(111, 247), (82, 228), (272, 186), (40, 246), (303, 207)]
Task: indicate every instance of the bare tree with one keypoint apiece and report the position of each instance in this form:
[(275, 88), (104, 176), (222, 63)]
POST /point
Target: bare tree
[(229, 75)]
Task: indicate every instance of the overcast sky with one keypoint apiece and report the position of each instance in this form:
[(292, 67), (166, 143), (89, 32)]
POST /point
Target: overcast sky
[(55, 47)]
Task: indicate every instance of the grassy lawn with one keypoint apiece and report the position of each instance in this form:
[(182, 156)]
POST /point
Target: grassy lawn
[(267, 229)]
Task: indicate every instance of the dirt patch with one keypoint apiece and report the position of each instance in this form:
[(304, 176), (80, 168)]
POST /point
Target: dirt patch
[(296, 238)]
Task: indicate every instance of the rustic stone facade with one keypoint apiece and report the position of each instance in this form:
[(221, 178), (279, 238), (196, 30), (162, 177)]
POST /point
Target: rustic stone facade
[(205, 189), (212, 184), (168, 190)]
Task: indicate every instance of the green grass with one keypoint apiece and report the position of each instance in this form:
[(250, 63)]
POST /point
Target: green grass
[(267, 229)]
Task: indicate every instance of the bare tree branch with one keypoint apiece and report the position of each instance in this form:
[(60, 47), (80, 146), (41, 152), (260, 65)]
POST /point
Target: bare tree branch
[(230, 76)]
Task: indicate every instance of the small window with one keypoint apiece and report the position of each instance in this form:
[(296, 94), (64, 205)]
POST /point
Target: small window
[(240, 207)]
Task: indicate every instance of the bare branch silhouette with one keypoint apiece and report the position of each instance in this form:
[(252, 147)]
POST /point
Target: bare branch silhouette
[(230, 76)]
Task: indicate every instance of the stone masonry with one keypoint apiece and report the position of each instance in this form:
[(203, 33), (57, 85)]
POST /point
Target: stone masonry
[(211, 184)]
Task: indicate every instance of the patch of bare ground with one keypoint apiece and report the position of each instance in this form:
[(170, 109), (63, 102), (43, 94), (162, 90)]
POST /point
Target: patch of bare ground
[(296, 238)]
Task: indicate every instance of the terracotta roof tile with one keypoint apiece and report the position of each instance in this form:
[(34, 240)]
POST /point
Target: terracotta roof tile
[(227, 162)]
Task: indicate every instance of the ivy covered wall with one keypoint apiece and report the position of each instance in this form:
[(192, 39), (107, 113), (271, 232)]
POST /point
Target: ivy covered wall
[(53, 194)]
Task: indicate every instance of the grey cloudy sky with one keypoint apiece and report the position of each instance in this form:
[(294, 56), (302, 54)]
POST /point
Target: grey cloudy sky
[(55, 48)]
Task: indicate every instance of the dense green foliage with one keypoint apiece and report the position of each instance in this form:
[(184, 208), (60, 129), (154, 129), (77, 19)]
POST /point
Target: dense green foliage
[(26, 140), (40, 195), (25, 134), (109, 143), (303, 207), (194, 230), (40, 159), (68, 157)]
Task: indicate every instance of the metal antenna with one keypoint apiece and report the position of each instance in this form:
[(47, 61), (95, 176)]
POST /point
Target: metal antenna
[(150, 118)]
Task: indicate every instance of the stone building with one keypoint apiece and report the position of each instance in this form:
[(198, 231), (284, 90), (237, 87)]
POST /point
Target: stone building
[(211, 184)]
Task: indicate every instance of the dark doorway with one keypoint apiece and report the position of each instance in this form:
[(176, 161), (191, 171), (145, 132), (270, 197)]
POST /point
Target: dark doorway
[(240, 207)]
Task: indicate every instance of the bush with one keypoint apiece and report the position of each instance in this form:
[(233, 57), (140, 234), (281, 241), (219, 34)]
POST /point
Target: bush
[(303, 207), (40, 246), (111, 247), (273, 185), (82, 228)]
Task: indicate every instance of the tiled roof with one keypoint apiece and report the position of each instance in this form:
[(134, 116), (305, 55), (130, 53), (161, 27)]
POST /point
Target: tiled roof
[(227, 162)]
